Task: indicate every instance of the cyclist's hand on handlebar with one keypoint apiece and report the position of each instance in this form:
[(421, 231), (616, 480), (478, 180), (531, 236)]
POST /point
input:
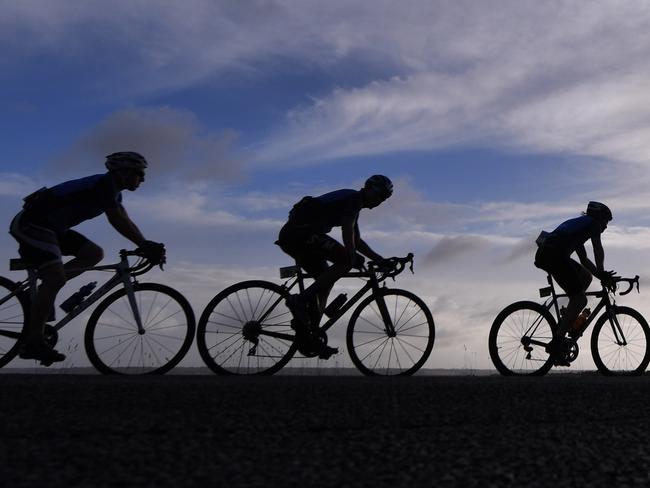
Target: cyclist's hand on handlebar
[(358, 261), (154, 252), (385, 265), (607, 278)]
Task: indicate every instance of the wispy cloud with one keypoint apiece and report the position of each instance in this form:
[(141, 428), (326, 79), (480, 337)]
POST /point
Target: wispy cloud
[(16, 185), (172, 140), (452, 247), (556, 76)]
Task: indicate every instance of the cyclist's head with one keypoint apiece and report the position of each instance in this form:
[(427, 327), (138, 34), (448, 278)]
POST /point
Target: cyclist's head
[(600, 212), (379, 187), (129, 166)]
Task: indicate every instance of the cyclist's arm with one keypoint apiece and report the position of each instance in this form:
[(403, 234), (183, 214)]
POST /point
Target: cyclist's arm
[(599, 254), (584, 260), (349, 234), (122, 223), (364, 248)]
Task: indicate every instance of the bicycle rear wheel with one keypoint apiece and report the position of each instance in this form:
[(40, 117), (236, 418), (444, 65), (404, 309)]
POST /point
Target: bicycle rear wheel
[(518, 338), (246, 330), (13, 315), (621, 346), (373, 351), (112, 340)]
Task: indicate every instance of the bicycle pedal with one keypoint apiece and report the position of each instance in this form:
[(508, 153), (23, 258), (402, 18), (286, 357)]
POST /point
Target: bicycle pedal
[(327, 352)]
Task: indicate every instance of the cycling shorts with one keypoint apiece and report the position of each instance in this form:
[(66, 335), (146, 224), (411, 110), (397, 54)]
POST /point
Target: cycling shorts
[(564, 270), (311, 249), (41, 246)]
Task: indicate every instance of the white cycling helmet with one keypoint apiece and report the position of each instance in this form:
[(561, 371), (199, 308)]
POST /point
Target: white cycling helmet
[(125, 159), (381, 184)]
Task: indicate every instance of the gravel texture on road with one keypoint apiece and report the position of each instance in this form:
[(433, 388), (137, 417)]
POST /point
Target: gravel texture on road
[(559, 430)]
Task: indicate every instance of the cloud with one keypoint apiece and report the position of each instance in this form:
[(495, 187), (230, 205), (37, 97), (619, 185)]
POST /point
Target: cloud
[(173, 141), (556, 76), (16, 185), (450, 248), (550, 78)]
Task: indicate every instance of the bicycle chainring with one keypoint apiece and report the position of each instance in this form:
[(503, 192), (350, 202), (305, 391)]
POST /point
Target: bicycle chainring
[(571, 350), (312, 343)]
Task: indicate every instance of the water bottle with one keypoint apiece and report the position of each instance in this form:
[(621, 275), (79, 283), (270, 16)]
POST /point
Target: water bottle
[(75, 299), (578, 325), (335, 305)]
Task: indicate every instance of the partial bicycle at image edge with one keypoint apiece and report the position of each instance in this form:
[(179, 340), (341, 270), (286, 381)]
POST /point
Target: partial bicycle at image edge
[(521, 332), (246, 328), (143, 328)]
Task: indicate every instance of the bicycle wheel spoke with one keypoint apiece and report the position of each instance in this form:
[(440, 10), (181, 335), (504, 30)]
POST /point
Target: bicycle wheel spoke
[(251, 313), (168, 330), (520, 323), (376, 348), (620, 343)]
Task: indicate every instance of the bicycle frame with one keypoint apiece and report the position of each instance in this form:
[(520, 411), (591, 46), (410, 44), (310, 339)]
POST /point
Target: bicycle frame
[(124, 274), (604, 302), (372, 284)]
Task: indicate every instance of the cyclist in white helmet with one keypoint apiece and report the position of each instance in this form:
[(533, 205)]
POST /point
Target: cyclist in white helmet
[(44, 232), (304, 237), (553, 256)]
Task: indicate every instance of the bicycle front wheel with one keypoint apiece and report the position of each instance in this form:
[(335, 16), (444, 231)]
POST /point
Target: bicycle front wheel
[(620, 342), (518, 340), (13, 315), (115, 346), (246, 330), (374, 350)]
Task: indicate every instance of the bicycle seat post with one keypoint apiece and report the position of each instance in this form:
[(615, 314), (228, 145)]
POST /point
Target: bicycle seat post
[(300, 277), (32, 279)]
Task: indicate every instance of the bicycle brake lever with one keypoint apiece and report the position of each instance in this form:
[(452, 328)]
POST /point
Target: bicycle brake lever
[(409, 258)]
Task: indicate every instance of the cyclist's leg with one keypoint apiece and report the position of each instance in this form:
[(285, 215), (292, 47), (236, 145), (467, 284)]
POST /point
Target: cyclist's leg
[(86, 253), (40, 247), (52, 280), (574, 279), (324, 248)]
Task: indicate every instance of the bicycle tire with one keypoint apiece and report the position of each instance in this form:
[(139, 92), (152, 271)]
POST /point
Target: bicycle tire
[(222, 337), (505, 340), (367, 340), (13, 316), (113, 338), (632, 361)]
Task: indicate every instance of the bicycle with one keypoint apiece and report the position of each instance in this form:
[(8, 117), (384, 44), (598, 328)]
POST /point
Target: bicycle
[(246, 328), (619, 340), (144, 328)]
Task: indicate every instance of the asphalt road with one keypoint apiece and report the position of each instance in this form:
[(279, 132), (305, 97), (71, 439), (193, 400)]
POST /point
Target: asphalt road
[(560, 430)]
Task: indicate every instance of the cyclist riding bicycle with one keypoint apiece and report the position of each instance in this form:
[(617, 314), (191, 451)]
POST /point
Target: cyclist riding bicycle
[(44, 232), (304, 237), (553, 256)]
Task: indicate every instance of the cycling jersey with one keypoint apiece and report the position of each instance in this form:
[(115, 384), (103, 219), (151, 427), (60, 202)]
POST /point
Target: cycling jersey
[(42, 228), (70, 203), (326, 211), (573, 233)]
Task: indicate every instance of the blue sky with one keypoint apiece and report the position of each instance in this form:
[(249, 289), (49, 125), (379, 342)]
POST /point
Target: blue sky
[(495, 120)]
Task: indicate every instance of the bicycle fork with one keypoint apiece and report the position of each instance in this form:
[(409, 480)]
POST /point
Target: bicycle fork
[(389, 327), (616, 327), (128, 286)]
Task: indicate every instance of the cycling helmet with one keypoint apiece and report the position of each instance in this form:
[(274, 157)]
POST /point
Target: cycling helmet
[(599, 211), (126, 159), (381, 184)]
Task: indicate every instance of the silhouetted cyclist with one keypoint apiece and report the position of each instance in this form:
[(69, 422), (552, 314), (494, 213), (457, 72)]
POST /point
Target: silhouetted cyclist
[(553, 256), (44, 231), (304, 237)]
